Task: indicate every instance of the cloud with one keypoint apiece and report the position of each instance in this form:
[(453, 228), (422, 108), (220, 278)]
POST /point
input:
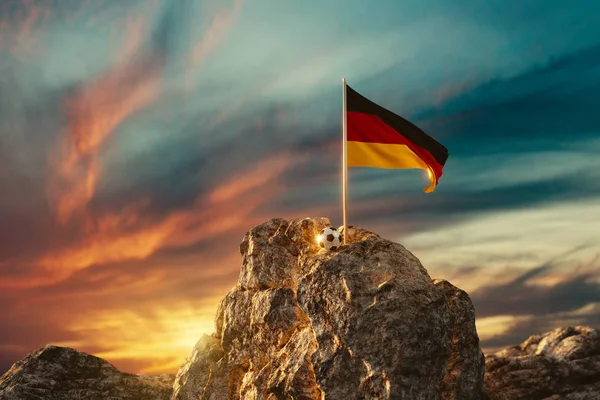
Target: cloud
[(568, 292), (24, 24), (101, 310), (516, 293), (19, 25), (219, 25), (503, 245), (510, 182), (492, 173), (560, 292), (538, 174), (550, 104), (94, 113), (449, 91), (130, 235), (99, 108), (511, 331)]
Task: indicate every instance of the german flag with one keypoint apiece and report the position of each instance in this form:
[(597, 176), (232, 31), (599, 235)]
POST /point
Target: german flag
[(379, 138)]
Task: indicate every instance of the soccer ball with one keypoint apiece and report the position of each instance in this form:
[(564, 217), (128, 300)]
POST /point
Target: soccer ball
[(329, 238)]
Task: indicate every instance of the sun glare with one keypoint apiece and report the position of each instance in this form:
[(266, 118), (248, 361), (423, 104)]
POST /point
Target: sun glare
[(127, 335)]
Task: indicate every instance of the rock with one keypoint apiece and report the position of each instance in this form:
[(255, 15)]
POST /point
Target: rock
[(196, 371), (466, 366), (59, 373), (561, 364), (363, 322)]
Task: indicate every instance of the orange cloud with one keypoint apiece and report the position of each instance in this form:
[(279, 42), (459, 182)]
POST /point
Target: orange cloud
[(111, 238), (252, 179), (94, 113), (220, 24), (108, 317), (19, 24), (97, 110)]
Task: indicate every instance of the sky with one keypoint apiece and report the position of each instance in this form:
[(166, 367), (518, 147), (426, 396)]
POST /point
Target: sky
[(140, 140)]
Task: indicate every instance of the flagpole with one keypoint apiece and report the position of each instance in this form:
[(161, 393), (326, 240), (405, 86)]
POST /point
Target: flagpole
[(344, 162)]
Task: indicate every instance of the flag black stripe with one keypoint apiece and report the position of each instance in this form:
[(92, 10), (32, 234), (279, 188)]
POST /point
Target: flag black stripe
[(358, 103)]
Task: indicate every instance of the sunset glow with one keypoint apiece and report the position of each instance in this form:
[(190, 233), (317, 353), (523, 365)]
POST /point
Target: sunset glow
[(161, 340)]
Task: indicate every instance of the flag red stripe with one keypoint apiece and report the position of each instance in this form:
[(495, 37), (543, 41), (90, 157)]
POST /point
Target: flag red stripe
[(369, 128)]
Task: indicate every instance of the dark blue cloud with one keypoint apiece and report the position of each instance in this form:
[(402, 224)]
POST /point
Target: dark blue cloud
[(541, 308), (518, 298), (542, 108)]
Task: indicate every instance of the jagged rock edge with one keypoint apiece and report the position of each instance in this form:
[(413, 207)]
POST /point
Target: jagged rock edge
[(297, 255), (282, 228)]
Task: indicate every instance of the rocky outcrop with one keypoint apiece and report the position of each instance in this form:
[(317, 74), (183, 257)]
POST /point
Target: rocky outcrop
[(59, 373), (560, 365), (363, 322)]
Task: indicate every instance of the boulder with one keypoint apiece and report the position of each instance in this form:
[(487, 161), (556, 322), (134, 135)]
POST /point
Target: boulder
[(61, 373), (563, 364), (363, 322)]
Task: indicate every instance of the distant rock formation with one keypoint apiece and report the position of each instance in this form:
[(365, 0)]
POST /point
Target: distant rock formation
[(60, 373), (560, 365), (363, 322)]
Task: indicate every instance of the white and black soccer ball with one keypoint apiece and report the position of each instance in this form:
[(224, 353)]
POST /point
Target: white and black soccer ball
[(329, 238)]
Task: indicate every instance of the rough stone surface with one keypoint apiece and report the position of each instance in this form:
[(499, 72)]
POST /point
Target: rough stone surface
[(466, 366), (363, 322), (563, 364), (59, 373)]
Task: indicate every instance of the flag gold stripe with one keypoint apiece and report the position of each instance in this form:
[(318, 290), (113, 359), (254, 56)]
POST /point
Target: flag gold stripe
[(361, 154), (378, 155)]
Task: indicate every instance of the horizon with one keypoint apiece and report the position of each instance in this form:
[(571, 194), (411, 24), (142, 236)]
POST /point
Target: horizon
[(140, 141)]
